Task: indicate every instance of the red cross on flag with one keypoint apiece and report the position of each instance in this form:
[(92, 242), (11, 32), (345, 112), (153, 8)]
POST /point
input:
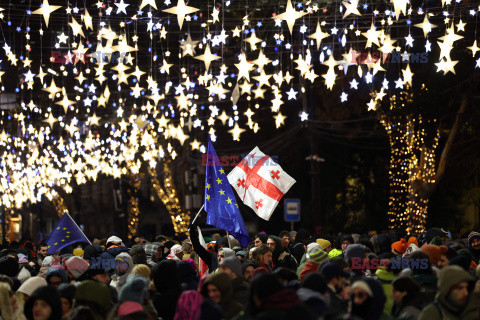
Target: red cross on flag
[(260, 182)]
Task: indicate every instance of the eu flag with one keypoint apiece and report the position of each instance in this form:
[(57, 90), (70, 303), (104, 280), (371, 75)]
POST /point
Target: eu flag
[(64, 234), (220, 204)]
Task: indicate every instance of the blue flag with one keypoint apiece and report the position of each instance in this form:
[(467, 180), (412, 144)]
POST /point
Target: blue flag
[(64, 234), (220, 204)]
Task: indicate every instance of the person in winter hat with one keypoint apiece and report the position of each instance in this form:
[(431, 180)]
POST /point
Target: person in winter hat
[(95, 295), (218, 287), (355, 255), (124, 266), (315, 258), (56, 275), (325, 244), (92, 251), (412, 240), (114, 247), (176, 253), (368, 299), (313, 293), (454, 299), (405, 294), (151, 254), (410, 249), (434, 252), (76, 267), (382, 243), (399, 247), (233, 268), (189, 305), (134, 290), (44, 304), (281, 258), (474, 245), (168, 288), (27, 288), (336, 278), (142, 269), (138, 254)]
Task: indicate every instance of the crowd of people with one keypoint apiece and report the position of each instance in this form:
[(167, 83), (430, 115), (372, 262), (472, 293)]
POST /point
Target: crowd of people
[(295, 275)]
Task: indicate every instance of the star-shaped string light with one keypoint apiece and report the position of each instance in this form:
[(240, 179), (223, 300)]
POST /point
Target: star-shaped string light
[(181, 10), (207, 57), (319, 35), (151, 3), (290, 15), (46, 10)]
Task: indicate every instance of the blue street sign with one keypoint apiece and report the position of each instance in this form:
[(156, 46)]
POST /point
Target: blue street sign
[(292, 210)]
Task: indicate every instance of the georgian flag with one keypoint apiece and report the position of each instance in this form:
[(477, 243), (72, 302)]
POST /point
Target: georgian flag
[(260, 182)]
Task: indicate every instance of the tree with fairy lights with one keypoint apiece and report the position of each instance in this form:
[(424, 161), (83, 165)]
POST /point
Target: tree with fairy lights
[(414, 170)]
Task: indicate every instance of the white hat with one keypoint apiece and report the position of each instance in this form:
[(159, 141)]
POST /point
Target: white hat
[(114, 239)]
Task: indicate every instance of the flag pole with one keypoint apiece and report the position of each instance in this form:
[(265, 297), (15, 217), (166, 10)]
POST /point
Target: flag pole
[(198, 213), (79, 228), (228, 238)]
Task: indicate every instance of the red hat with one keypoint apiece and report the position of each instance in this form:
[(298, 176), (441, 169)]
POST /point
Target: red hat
[(400, 246), (434, 252), (412, 240)]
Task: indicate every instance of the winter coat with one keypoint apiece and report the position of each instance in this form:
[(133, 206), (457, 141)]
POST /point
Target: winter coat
[(209, 258), (113, 251), (188, 276), (168, 288), (443, 308), (337, 305), (281, 258), (240, 290), (230, 307), (386, 277), (428, 286), (302, 263), (310, 267)]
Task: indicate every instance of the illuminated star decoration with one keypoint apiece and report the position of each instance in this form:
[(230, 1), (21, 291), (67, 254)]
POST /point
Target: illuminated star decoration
[(351, 8), (290, 15), (318, 35), (121, 7), (188, 46), (148, 2), (46, 10), (181, 10), (207, 57)]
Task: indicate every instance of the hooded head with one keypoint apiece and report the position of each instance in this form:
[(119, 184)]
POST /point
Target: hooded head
[(124, 264), (67, 291), (223, 283), (382, 243), (138, 254), (278, 246), (450, 293), (474, 242), (32, 284), (48, 295), (176, 252), (368, 299), (57, 271), (165, 276)]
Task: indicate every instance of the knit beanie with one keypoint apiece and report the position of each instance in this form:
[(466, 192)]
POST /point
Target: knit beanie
[(334, 253), (129, 307), (32, 284), (133, 290), (362, 285), (434, 252), (412, 240), (234, 264), (355, 251), (94, 292), (315, 254), (323, 243), (400, 246), (142, 269), (78, 252), (77, 266)]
